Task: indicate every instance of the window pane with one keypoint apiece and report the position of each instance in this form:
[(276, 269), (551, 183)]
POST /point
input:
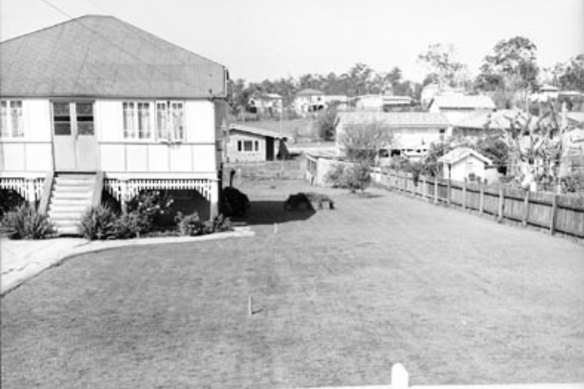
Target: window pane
[(143, 120), (161, 121), (62, 128), (62, 118), (4, 128), (178, 121), (84, 109), (85, 119), (85, 128), (238, 145), (128, 118), (247, 145), (61, 109)]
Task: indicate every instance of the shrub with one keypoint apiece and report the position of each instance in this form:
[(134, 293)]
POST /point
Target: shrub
[(129, 225), (26, 223), (337, 176), (234, 202), (146, 208), (190, 225), (298, 202), (358, 177), (99, 222), (9, 200)]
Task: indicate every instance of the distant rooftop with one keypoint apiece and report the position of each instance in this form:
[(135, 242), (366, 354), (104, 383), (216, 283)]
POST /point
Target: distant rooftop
[(463, 102), (395, 119), (309, 92)]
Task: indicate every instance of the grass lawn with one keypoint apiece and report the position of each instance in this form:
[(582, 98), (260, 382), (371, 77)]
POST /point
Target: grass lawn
[(340, 296)]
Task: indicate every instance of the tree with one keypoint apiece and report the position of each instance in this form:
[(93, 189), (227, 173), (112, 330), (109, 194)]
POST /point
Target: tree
[(439, 61), (511, 67), (362, 143), (571, 75)]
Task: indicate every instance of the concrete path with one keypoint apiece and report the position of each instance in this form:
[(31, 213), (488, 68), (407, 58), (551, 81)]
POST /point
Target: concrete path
[(23, 259)]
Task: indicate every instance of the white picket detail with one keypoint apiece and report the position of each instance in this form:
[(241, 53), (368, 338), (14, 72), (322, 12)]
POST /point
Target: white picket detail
[(126, 189), (31, 189)]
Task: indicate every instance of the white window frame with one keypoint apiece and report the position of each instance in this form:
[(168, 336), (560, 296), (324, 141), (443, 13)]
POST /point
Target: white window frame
[(169, 126), (8, 117), (137, 120)]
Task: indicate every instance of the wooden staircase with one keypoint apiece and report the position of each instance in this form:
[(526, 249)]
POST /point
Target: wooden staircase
[(71, 195)]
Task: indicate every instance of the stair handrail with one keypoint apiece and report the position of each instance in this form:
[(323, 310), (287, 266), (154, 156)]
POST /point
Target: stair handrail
[(97, 189), (47, 189)]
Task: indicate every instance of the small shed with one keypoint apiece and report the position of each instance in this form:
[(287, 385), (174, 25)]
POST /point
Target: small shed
[(464, 163), (251, 144)]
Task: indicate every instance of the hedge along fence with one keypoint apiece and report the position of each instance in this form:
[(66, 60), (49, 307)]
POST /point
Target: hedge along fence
[(554, 212)]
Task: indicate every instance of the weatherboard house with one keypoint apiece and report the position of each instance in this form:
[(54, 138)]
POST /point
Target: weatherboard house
[(95, 104)]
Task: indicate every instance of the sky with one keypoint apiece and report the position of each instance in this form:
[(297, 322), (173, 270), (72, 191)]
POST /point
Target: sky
[(269, 39)]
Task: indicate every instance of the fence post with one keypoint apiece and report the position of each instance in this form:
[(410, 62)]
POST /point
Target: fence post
[(449, 188), (435, 189), (481, 198), (525, 208), (501, 204), (553, 215), (464, 194), (400, 379)]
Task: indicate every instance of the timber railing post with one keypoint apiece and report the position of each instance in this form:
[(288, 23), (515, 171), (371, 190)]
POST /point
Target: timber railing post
[(553, 214), (525, 208), (501, 204), (435, 189), (449, 188), (464, 194), (481, 198)]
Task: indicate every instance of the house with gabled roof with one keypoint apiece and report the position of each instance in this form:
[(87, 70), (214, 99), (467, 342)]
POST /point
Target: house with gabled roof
[(95, 103), (457, 106), (308, 100), (252, 144), (412, 132), (464, 163)]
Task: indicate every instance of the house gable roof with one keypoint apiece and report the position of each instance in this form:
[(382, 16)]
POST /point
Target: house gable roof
[(102, 56), (255, 131), (309, 92), (395, 119), (463, 102), (460, 153)]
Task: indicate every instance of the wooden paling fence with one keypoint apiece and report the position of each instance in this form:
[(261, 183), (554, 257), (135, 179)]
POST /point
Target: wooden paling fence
[(554, 212)]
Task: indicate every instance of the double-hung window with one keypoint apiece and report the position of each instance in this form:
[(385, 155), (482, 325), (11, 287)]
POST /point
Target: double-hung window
[(11, 121), (136, 117), (170, 121)]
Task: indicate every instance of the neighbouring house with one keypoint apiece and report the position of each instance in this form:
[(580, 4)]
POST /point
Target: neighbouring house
[(455, 106), (265, 104), (383, 103), (464, 163), (309, 100), (413, 132), (96, 103), (545, 93), (250, 144), (480, 123)]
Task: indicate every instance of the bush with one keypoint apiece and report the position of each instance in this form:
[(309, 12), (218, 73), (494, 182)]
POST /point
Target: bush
[(146, 210), (9, 200), (26, 223), (99, 222), (234, 202), (337, 176), (130, 225), (191, 225), (358, 177)]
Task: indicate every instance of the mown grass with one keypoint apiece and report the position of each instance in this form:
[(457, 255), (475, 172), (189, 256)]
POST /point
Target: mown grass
[(339, 297)]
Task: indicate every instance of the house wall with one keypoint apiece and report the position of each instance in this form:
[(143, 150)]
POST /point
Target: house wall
[(31, 154), (233, 155), (462, 168), (196, 156)]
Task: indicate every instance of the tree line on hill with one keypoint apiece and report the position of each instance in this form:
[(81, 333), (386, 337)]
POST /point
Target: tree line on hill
[(508, 73)]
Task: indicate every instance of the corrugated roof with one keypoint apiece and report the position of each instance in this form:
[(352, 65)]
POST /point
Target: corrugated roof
[(102, 56), (459, 153), (503, 119), (256, 131), (309, 92), (461, 101), (395, 119)]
